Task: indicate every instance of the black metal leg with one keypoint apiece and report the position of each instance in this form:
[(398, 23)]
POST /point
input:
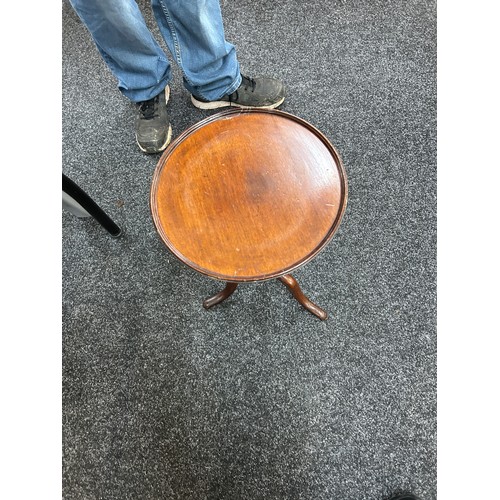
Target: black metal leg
[(88, 204)]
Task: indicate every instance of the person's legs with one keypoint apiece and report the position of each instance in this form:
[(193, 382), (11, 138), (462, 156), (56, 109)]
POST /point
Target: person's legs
[(194, 33), (136, 60), (127, 46)]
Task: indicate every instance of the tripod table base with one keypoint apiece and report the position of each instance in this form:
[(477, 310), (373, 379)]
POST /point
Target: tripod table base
[(288, 280)]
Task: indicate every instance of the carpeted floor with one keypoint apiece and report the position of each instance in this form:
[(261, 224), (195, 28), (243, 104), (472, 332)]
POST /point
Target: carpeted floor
[(256, 398)]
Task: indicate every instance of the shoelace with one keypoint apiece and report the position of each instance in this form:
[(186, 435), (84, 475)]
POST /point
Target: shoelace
[(149, 108), (248, 82)]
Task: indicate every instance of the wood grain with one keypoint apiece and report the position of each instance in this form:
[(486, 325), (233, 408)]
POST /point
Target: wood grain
[(247, 195)]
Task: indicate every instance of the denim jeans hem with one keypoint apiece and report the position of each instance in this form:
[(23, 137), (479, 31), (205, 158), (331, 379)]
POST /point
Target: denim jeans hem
[(232, 88), (139, 95)]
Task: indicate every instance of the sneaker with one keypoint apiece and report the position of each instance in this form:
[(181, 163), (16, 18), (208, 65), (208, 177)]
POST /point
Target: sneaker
[(152, 127), (265, 93)]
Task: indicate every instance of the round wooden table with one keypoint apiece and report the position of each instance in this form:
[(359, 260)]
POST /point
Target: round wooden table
[(249, 195)]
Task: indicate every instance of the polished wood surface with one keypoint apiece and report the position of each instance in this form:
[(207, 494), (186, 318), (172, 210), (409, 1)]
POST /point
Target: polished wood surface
[(247, 195)]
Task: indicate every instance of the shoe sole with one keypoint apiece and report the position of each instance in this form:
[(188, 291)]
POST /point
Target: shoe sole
[(223, 104), (169, 133)]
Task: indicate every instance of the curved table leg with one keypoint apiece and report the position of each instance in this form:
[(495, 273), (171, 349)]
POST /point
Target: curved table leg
[(291, 283), (218, 298)]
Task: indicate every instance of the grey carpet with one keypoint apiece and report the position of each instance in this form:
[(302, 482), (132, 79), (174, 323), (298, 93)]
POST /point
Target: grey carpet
[(256, 398)]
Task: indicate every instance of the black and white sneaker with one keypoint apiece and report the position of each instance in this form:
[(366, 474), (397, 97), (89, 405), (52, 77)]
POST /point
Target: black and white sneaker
[(266, 93), (152, 127)]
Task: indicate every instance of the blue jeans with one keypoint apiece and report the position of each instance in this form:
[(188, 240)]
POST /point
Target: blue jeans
[(193, 32)]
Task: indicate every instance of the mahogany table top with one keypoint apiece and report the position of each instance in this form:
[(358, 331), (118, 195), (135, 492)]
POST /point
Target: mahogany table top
[(248, 195)]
